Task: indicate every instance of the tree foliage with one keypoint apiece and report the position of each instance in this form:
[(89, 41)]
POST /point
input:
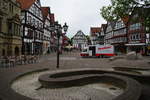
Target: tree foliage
[(120, 8)]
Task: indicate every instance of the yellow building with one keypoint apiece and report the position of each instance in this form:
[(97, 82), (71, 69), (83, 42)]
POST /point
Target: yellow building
[(10, 35)]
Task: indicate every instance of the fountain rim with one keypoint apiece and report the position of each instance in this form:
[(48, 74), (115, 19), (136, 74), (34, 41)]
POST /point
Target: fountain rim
[(132, 90)]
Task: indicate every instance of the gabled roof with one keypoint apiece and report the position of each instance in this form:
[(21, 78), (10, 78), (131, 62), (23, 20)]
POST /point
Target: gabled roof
[(25, 4), (104, 26), (95, 29), (79, 32), (45, 12), (109, 25)]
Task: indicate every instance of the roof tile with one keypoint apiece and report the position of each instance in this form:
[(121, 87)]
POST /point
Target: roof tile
[(25, 4)]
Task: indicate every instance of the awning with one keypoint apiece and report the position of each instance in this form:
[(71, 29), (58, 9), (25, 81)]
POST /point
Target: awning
[(136, 44)]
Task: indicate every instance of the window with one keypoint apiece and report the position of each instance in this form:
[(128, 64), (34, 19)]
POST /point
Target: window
[(35, 35), (37, 23), (135, 26), (33, 22), (29, 19), (137, 36), (9, 27), (36, 10), (30, 33), (10, 7), (15, 29), (19, 30), (33, 8), (0, 24)]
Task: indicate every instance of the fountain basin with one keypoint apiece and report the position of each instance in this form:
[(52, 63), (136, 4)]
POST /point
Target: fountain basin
[(76, 84), (68, 78)]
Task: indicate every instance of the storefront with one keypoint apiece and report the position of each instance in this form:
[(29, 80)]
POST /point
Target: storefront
[(138, 48), (120, 48), (38, 48)]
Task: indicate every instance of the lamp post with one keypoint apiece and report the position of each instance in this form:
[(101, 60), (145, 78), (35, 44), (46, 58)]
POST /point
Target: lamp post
[(58, 29)]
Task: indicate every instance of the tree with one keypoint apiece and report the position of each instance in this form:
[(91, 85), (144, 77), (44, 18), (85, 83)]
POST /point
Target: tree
[(117, 9), (122, 8)]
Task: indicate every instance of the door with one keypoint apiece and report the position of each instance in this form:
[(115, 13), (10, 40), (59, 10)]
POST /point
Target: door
[(92, 49)]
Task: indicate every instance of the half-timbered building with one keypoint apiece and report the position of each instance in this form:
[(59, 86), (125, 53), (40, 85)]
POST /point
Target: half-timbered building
[(32, 26), (79, 40), (109, 33), (120, 35)]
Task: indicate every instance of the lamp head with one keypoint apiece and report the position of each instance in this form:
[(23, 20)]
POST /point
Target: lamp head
[(65, 27)]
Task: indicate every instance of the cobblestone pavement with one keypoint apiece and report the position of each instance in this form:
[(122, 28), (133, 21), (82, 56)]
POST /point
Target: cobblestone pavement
[(68, 60)]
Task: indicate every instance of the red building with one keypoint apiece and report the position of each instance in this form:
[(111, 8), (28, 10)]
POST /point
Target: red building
[(136, 32)]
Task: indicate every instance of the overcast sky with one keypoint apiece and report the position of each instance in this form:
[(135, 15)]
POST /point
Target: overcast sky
[(79, 14)]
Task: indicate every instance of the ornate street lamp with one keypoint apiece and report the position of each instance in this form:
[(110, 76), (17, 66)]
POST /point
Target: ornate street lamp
[(65, 27), (58, 29)]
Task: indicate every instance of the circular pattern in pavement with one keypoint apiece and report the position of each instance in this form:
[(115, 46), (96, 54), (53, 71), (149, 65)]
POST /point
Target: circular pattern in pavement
[(29, 86)]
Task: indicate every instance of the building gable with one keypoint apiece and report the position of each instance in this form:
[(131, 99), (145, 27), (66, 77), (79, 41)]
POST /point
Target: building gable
[(26, 4), (109, 28), (46, 13)]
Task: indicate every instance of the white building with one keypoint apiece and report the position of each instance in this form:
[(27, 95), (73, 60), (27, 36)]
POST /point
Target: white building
[(32, 26), (79, 40)]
